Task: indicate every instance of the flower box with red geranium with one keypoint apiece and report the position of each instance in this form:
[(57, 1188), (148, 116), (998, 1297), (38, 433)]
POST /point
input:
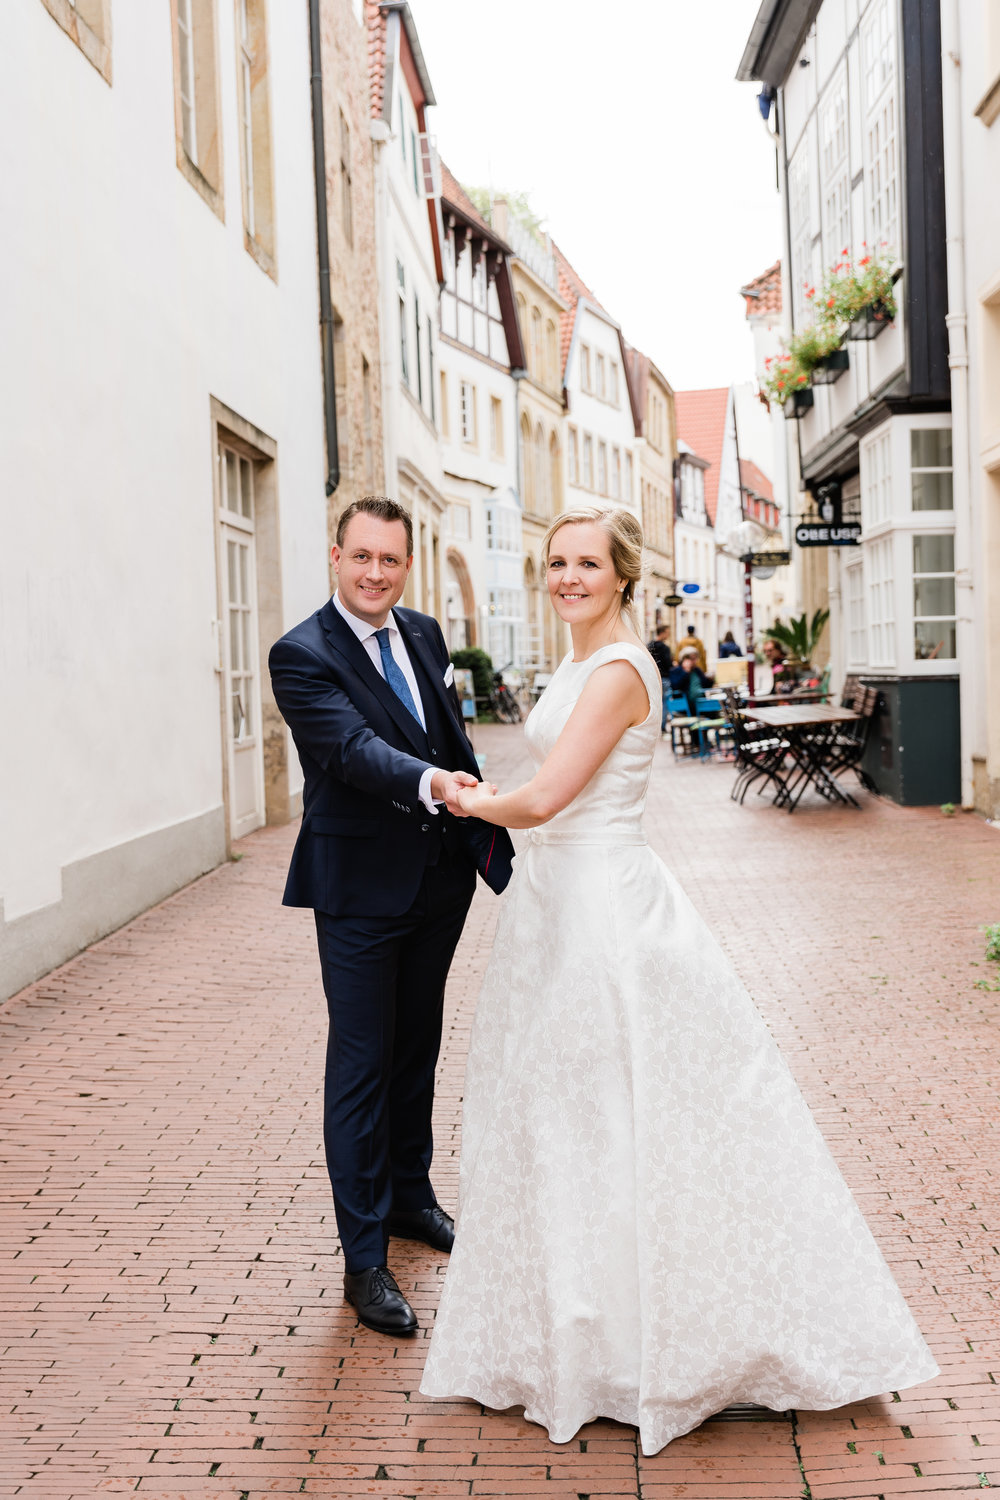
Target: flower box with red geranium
[(858, 294)]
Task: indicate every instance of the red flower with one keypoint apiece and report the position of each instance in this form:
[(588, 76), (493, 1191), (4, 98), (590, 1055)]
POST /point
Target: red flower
[(829, 301), (865, 260)]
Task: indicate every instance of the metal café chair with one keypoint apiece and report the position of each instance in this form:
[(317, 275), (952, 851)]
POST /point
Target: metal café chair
[(760, 753)]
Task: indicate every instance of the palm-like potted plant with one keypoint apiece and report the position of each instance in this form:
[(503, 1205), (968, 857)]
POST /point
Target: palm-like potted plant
[(799, 638)]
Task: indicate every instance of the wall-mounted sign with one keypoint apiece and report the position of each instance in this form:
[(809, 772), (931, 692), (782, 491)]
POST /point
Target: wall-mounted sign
[(768, 559), (821, 534), (690, 588), (672, 600)]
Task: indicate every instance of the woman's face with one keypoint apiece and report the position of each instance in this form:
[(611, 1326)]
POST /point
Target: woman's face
[(581, 579)]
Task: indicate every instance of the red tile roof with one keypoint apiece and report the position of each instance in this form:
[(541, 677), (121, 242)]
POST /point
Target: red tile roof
[(571, 288), (763, 294), (454, 193), (701, 423), (376, 55), (755, 480)]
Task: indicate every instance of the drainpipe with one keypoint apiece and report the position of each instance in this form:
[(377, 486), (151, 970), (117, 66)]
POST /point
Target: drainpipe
[(323, 252), (972, 722)]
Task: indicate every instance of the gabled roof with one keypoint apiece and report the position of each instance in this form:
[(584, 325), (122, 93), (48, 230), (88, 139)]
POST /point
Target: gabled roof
[(763, 294), (454, 194), (574, 290), (377, 12), (701, 422), (571, 288), (755, 481), (640, 367)]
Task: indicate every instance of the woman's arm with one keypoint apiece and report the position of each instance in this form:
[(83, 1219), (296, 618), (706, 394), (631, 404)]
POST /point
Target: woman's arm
[(613, 699)]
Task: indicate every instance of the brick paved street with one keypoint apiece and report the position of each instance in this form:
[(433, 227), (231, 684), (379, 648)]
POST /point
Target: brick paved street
[(172, 1314)]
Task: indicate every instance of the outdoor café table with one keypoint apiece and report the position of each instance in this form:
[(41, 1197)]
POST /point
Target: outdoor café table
[(810, 729)]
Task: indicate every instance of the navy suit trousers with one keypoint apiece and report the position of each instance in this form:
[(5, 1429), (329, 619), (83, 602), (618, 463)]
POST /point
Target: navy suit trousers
[(384, 979)]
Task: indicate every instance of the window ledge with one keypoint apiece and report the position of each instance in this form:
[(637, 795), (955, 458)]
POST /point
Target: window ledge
[(988, 107), (200, 183), (260, 255), (96, 51)]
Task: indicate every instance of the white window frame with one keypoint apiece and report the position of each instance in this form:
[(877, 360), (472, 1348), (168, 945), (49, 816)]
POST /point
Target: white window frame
[(467, 414)]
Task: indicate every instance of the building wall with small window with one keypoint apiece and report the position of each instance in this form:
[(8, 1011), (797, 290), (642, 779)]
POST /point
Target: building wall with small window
[(600, 412), (858, 119), (972, 162), (545, 457), (409, 257), (163, 443), (478, 423), (351, 229)]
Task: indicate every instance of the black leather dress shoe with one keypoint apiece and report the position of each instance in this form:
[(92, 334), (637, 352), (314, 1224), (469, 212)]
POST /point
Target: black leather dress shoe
[(432, 1225), (378, 1301)]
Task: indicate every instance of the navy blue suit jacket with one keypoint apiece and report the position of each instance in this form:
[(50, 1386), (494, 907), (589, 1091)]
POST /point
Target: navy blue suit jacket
[(366, 837)]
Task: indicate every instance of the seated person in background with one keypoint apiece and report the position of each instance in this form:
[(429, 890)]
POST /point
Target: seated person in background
[(728, 645), (688, 678), (783, 677)]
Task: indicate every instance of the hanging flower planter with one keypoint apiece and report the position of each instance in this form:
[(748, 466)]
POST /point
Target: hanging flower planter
[(798, 403), (831, 367), (870, 321)]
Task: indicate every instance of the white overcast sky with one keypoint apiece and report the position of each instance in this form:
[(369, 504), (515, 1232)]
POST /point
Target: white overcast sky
[(648, 163)]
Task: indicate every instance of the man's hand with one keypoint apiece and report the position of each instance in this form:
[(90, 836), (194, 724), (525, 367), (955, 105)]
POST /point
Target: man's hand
[(473, 798), (445, 787)]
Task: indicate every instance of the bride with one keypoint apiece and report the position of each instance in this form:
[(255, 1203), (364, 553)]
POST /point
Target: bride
[(650, 1226)]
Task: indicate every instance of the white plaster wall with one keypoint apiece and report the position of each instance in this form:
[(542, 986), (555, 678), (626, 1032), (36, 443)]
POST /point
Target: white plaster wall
[(128, 304), (605, 422), (471, 474), (404, 234)]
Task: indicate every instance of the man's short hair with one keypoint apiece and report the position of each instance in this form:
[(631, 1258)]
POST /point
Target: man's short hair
[(383, 509), (690, 630), (662, 630)]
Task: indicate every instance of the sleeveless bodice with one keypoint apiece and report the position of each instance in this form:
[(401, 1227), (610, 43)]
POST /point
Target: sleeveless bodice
[(609, 809)]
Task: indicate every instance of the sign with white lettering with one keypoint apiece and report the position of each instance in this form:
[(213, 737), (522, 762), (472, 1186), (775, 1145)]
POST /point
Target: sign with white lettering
[(823, 534)]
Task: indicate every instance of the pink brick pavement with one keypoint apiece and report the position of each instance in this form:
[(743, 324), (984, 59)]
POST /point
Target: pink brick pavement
[(172, 1315)]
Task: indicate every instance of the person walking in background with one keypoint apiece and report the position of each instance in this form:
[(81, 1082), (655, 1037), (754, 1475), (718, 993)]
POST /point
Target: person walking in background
[(728, 645), (691, 639), (387, 860), (659, 650), (783, 678), (688, 678)]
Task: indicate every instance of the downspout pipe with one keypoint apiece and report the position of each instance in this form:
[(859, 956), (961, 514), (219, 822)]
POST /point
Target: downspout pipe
[(323, 252), (971, 711)]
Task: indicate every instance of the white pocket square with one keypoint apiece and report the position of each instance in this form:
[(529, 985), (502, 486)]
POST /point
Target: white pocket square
[(449, 676)]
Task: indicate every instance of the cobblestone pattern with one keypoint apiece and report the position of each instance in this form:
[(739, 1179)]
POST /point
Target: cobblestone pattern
[(172, 1318)]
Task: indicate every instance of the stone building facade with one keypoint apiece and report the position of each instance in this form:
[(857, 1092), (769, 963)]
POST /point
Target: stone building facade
[(350, 205)]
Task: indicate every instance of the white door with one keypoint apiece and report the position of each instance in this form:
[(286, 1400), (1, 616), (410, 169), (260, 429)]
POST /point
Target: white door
[(240, 649)]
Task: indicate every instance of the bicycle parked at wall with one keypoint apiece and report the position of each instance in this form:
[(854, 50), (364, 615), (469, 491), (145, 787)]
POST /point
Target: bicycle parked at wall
[(503, 704)]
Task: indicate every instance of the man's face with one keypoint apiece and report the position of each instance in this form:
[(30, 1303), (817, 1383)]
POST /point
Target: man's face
[(371, 567)]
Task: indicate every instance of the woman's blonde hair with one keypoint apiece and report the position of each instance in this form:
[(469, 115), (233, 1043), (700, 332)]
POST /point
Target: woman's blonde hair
[(624, 536)]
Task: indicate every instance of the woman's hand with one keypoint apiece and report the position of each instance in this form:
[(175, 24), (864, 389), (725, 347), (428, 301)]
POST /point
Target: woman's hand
[(471, 799)]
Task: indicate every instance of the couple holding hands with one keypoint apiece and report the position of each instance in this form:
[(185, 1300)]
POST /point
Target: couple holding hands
[(650, 1225)]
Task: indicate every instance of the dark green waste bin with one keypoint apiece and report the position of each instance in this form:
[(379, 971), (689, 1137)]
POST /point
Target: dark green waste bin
[(914, 750)]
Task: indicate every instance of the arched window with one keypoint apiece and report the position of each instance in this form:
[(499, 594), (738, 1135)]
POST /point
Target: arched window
[(537, 352), (551, 354), (542, 495), (555, 474), (527, 465)]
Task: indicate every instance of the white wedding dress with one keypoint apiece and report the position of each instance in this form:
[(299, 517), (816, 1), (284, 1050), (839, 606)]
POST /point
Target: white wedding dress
[(650, 1225)]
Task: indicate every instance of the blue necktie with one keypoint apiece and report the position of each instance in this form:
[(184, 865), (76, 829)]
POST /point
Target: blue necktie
[(393, 675)]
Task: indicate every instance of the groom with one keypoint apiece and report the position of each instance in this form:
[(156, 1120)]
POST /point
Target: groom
[(388, 864)]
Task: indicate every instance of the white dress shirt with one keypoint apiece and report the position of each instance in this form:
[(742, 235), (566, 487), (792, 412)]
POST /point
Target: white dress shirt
[(365, 633)]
